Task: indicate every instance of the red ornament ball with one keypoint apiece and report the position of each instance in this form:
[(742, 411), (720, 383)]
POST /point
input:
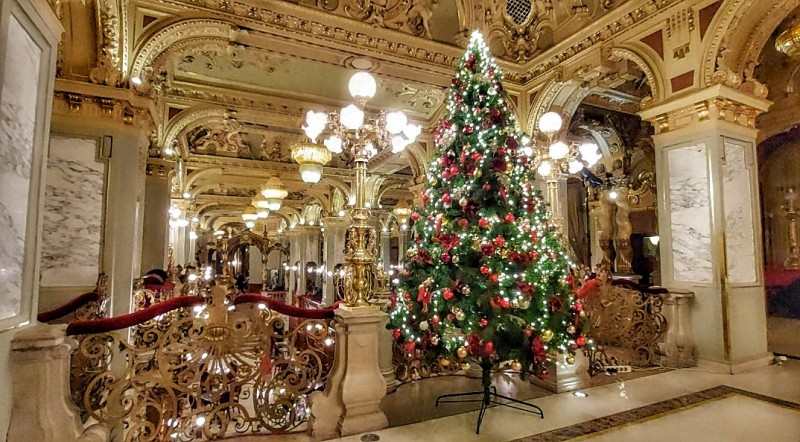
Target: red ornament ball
[(499, 241), (485, 269), (504, 303), (527, 332), (487, 187), (581, 341), (446, 198), (447, 294), (483, 223), (415, 216), (396, 334), (483, 322), (510, 217), (577, 306), (453, 170), (464, 223), (494, 277)]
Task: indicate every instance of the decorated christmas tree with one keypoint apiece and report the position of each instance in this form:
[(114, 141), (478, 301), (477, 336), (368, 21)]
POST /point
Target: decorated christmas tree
[(486, 276)]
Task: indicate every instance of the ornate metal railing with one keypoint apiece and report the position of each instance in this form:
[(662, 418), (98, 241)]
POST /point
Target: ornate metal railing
[(91, 305), (420, 364), (202, 367), (626, 324)]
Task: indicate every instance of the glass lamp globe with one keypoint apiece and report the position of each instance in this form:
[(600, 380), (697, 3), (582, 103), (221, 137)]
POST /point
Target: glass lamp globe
[(362, 85), (550, 122), (412, 131), (352, 117), (545, 168), (398, 144), (575, 166), (396, 122), (559, 150), (310, 173), (334, 144), (588, 150)]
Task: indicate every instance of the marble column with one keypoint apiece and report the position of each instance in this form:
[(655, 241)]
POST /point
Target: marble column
[(333, 249), (303, 248), (386, 245), (156, 218), (710, 223), (605, 227), (556, 196), (622, 232)]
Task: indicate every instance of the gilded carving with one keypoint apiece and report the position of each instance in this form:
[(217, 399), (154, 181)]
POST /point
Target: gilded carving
[(108, 70)]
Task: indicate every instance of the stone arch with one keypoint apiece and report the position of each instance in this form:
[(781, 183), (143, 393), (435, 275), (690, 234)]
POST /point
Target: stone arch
[(190, 118), (735, 38), (176, 33), (567, 95)]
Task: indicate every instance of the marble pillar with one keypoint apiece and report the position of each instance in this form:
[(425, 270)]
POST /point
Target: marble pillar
[(333, 249), (556, 197), (709, 222), (156, 220), (386, 245), (623, 260)]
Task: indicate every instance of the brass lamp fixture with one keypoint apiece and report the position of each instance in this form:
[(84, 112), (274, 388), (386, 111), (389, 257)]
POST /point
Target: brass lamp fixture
[(402, 212), (351, 129), (274, 193), (789, 41), (553, 158), (311, 157)]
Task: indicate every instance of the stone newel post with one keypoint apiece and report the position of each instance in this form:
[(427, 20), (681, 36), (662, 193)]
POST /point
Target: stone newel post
[(42, 410), (351, 401)]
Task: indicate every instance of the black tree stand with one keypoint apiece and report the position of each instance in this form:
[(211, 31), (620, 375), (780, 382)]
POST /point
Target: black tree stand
[(488, 396)]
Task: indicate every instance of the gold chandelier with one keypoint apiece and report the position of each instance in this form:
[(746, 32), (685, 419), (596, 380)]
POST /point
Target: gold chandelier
[(311, 157), (789, 41), (274, 192)]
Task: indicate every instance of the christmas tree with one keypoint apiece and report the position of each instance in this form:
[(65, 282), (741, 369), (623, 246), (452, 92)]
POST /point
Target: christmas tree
[(486, 275)]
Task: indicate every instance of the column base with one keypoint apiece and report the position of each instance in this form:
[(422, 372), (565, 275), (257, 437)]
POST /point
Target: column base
[(761, 361)]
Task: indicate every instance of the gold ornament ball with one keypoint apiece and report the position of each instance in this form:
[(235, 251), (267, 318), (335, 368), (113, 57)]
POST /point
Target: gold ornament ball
[(463, 202), (410, 253), (583, 314), (461, 352), (465, 366), (460, 315), (435, 340), (516, 366), (571, 329), (570, 359), (524, 304), (515, 303), (509, 167), (478, 173), (444, 362), (547, 335), (456, 259)]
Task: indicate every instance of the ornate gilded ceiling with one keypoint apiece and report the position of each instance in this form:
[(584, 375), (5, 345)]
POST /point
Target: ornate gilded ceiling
[(224, 84)]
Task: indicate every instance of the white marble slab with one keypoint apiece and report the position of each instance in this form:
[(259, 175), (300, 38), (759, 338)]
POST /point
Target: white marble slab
[(17, 125), (73, 213), (690, 214), (740, 244)]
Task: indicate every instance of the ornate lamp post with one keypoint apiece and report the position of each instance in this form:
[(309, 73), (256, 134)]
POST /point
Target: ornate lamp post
[(792, 262), (555, 159), (351, 129)]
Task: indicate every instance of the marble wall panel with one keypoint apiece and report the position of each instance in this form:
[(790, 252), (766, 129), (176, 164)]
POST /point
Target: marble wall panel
[(17, 128), (740, 244), (73, 213), (690, 213)]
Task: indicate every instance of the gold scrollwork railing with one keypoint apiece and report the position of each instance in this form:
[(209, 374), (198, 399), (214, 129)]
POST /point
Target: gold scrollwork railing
[(421, 365), (204, 372), (625, 324)]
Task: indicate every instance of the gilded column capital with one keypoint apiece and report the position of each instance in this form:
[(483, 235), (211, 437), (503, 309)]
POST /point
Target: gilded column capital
[(716, 103)]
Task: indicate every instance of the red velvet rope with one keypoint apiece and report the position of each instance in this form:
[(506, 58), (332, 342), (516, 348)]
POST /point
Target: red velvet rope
[(67, 308), (286, 309), (131, 319)]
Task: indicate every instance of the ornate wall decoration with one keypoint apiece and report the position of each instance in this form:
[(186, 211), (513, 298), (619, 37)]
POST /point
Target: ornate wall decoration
[(410, 16), (108, 71), (517, 25), (226, 141), (428, 98)]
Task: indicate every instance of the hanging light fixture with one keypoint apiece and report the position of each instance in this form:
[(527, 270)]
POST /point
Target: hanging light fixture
[(311, 157), (402, 211), (788, 41), (250, 214), (274, 193)]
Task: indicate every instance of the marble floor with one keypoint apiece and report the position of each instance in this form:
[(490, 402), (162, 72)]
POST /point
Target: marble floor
[(679, 405)]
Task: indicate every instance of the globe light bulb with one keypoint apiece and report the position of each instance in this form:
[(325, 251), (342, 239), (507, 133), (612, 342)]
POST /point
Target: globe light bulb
[(588, 151), (559, 150), (263, 213), (575, 166), (334, 144), (550, 122), (310, 173), (545, 168), (362, 85), (250, 224), (412, 131), (396, 122), (398, 144), (315, 124), (352, 117), (527, 151), (192, 235)]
